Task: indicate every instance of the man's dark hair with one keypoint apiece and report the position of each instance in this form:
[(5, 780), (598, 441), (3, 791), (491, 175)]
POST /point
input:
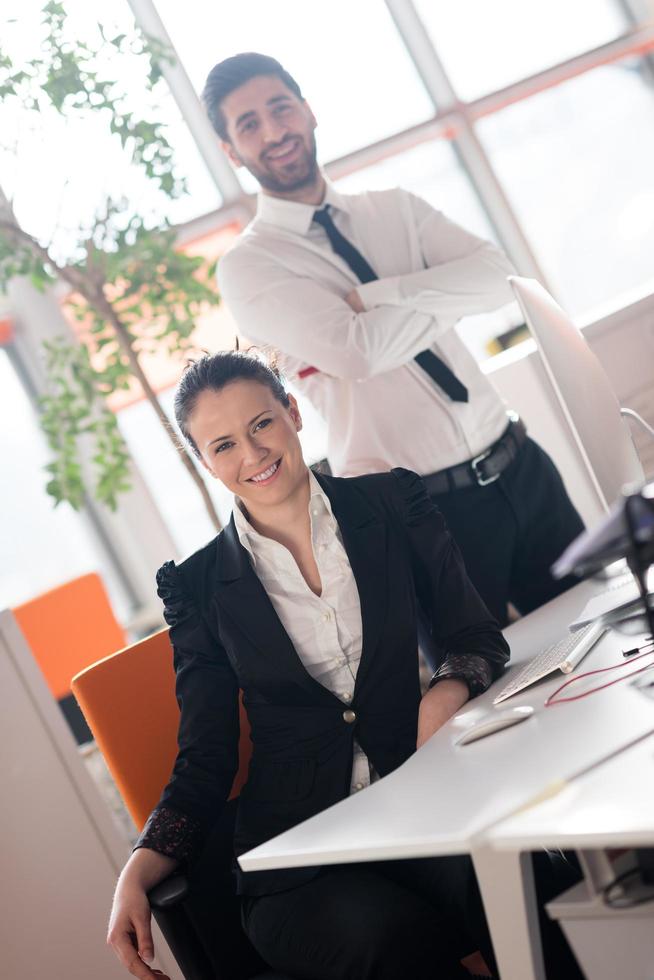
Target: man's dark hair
[(234, 72)]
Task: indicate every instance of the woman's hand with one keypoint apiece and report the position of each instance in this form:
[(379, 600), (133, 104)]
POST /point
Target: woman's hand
[(438, 705), (130, 933)]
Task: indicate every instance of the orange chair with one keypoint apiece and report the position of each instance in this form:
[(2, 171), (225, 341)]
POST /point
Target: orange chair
[(66, 629), (129, 702)]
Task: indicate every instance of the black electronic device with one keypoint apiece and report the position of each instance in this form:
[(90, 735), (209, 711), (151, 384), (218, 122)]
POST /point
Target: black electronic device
[(627, 532)]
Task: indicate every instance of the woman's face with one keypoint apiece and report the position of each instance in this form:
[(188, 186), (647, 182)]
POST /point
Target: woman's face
[(249, 441)]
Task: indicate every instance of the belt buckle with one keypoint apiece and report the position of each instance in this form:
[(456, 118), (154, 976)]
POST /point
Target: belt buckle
[(482, 480)]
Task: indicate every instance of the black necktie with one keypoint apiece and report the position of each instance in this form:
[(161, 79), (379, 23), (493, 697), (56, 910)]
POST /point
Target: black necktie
[(437, 370)]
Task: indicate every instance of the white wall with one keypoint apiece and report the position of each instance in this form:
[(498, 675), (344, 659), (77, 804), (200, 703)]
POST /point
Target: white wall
[(61, 851)]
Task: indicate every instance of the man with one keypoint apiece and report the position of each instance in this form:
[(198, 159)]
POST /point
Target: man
[(361, 294)]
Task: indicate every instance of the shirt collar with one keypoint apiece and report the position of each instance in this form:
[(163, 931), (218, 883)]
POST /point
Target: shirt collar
[(295, 216), (319, 507), (319, 500)]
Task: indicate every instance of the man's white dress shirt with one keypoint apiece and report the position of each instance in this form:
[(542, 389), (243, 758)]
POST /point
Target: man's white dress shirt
[(285, 287), (325, 630)]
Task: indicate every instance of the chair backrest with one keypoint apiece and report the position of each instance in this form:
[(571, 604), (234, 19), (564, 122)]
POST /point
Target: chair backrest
[(69, 628), (129, 702)]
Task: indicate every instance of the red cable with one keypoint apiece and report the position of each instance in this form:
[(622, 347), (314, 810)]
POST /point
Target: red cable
[(601, 670)]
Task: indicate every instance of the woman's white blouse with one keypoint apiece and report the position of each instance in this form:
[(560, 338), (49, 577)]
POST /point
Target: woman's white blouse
[(325, 630)]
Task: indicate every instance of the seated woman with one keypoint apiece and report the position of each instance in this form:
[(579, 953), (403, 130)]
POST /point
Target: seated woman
[(307, 603)]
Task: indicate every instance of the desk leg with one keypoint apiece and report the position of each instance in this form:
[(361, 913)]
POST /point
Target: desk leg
[(506, 882)]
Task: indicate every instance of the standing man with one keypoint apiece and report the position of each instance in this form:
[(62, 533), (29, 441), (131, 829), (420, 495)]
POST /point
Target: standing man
[(361, 294)]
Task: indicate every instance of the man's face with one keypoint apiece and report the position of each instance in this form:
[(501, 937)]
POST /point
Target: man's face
[(271, 133)]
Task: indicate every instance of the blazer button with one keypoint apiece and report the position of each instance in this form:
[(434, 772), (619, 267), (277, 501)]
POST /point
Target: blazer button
[(349, 716)]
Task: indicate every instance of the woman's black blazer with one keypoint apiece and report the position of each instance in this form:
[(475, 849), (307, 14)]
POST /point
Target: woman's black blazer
[(226, 635)]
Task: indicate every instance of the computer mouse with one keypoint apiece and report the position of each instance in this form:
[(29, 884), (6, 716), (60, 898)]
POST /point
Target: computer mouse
[(494, 721)]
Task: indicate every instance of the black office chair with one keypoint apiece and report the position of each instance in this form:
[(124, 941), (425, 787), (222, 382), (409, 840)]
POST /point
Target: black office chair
[(200, 916)]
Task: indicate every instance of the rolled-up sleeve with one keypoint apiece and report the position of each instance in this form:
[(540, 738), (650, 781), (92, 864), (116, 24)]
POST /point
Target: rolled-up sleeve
[(275, 307), (463, 275)]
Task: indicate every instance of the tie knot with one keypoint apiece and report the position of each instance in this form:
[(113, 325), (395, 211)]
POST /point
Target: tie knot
[(323, 217)]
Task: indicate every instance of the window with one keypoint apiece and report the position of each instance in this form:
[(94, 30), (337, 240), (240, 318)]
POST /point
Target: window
[(347, 58), (485, 46), (42, 546), (576, 163), (432, 171), (59, 171)]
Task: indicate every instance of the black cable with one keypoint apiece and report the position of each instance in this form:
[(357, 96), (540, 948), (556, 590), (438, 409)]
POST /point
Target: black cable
[(624, 901)]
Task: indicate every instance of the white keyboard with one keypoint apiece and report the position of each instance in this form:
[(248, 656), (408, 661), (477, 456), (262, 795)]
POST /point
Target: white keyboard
[(563, 656)]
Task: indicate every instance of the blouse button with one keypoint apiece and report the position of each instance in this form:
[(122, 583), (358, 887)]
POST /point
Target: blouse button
[(349, 716)]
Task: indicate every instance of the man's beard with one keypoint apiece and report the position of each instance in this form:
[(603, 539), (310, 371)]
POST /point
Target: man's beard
[(308, 166)]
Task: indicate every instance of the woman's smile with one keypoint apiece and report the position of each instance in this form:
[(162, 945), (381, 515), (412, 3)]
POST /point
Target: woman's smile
[(266, 476)]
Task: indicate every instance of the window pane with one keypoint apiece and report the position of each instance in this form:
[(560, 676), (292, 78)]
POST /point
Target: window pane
[(85, 163), (42, 545), (485, 46), (347, 57), (576, 162), (432, 171)]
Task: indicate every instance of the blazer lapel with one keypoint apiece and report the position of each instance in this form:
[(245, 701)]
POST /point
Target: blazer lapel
[(246, 602), (364, 537)]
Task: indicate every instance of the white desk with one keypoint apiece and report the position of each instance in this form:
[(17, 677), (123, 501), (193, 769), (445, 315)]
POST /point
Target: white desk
[(444, 799), (609, 807)]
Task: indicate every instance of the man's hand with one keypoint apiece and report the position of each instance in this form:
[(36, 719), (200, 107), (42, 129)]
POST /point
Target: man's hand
[(354, 301), (438, 705)]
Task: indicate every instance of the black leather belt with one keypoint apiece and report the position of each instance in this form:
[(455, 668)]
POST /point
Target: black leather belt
[(484, 468)]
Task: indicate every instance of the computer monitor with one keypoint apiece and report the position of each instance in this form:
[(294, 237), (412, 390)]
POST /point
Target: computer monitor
[(627, 531), (584, 392)]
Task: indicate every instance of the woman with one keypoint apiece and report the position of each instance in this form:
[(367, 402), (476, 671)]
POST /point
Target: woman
[(306, 602)]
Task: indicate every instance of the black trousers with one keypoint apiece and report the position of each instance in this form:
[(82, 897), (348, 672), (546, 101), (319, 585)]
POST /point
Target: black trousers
[(395, 919), (379, 921), (511, 531)]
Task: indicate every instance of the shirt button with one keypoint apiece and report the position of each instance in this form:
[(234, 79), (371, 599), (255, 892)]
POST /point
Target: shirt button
[(326, 617), (349, 716), (358, 786), (347, 696)]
